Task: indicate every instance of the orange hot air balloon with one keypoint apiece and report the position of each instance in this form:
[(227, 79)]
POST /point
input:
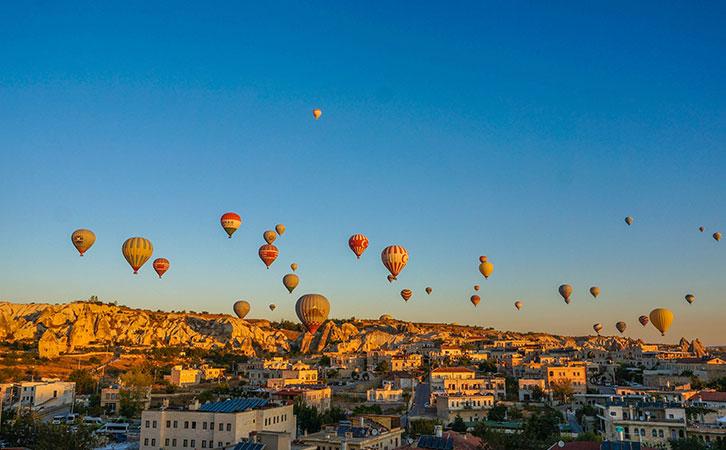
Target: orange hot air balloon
[(390, 278), (518, 305), (358, 243), (268, 254), (230, 222), (475, 299), (643, 320), (598, 328), (486, 268), (476, 287), (621, 326), (595, 291), (290, 281), (161, 265), (269, 236), (406, 294), (82, 240), (280, 229), (690, 298), (661, 318), (566, 292), (241, 308), (293, 266), (717, 236), (317, 113), (395, 258), (312, 310), (429, 290), (137, 251)]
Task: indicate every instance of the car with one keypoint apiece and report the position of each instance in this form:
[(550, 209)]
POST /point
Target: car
[(93, 421)]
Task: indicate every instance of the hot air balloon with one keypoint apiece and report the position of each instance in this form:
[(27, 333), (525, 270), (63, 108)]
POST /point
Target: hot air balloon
[(230, 222), (358, 243), (717, 235), (566, 292), (385, 317), (621, 326), (395, 258), (595, 291), (486, 268), (643, 320), (429, 290), (475, 299), (280, 229), (268, 253), (241, 308), (272, 306), (661, 318), (597, 327), (476, 287), (161, 265), (518, 305), (629, 220), (269, 236), (312, 310), (701, 229), (137, 251), (406, 294), (690, 298), (317, 113), (293, 266), (290, 281), (390, 278), (83, 240)]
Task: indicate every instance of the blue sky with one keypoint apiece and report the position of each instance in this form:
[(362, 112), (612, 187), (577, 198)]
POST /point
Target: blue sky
[(525, 132)]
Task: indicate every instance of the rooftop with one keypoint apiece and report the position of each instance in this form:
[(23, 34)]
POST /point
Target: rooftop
[(234, 405), (710, 396), (452, 370)]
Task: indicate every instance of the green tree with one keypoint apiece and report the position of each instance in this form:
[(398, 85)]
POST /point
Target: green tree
[(562, 390), (512, 388), (498, 413), (488, 366), (85, 382), (691, 443), (324, 361), (367, 409), (459, 426), (29, 431), (537, 393), (422, 426), (136, 385)]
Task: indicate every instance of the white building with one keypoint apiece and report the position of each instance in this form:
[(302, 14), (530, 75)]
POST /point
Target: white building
[(213, 425), (46, 394), (385, 394)]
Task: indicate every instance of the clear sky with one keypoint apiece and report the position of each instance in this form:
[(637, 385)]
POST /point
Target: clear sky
[(525, 131)]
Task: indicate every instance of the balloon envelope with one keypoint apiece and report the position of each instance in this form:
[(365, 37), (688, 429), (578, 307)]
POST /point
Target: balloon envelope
[(621, 326), (358, 243), (312, 310), (701, 229), (395, 258), (406, 294), (595, 291), (268, 254), (717, 235), (269, 236), (475, 299), (661, 318), (518, 305), (476, 287), (290, 281), (429, 290), (317, 113), (272, 306), (137, 251), (690, 298), (565, 292), (486, 268), (597, 327), (390, 278), (280, 229), (161, 265), (629, 220), (643, 320), (82, 240), (241, 308), (293, 266), (230, 222)]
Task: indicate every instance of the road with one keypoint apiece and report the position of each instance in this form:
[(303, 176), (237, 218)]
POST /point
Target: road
[(421, 397)]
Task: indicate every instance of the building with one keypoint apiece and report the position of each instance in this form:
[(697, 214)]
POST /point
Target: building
[(184, 377), (528, 387), (111, 399), (385, 394), (440, 376), (213, 425), (44, 394), (471, 407), (575, 375), (212, 373), (402, 363), (317, 396), (652, 423), (365, 434)]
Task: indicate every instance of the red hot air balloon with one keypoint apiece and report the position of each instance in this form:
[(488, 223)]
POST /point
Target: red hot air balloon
[(358, 243), (395, 258), (475, 299), (268, 254), (161, 265), (230, 222), (406, 294)]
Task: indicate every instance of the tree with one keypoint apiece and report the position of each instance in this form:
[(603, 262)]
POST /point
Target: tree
[(562, 390), (29, 431), (537, 393), (422, 426), (367, 409), (498, 413), (488, 367), (512, 388), (691, 443), (85, 382), (459, 426), (324, 361), (136, 385)]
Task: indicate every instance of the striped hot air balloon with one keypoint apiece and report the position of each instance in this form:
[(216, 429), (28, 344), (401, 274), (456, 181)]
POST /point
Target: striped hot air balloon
[(230, 222), (312, 310), (137, 251), (358, 243), (395, 258), (83, 240), (268, 254), (161, 265), (406, 294)]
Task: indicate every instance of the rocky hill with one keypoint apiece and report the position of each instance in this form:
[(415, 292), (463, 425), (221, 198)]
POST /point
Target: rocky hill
[(65, 328)]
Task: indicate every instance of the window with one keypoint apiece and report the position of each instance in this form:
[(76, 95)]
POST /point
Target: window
[(193, 443), (204, 425), (655, 433), (184, 443), (221, 427), (153, 424), (229, 427), (660, 433), (166, 442), (211, 443), (153, 442), (173, 442), (168, 425), (147, 424), (220, 444), (146, 441), (194, 427), (186, 424), (204, 444), (175, 424)]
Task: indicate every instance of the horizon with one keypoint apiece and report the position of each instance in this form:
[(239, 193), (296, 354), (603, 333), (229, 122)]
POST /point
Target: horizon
[(526, 134)]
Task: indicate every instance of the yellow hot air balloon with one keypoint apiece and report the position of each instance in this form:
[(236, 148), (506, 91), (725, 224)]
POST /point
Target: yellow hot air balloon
[(241, 308), (280, 228), (83, 240), (629, 220), (312, 310), (317, 113), (269, 236), (717, 235), (137, 251), (690, 298), (566, 292), (293, 266), (597, 327), (518, 305), (621, 326), (661, 318), (290, 281), (595, 291), (272, 306), (429, 290), (486, 268)]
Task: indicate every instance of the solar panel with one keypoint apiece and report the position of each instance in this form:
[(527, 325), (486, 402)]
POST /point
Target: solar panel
[(233, 405)]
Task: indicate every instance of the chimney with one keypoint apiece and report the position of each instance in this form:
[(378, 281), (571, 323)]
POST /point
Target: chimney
[(438, 430)]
